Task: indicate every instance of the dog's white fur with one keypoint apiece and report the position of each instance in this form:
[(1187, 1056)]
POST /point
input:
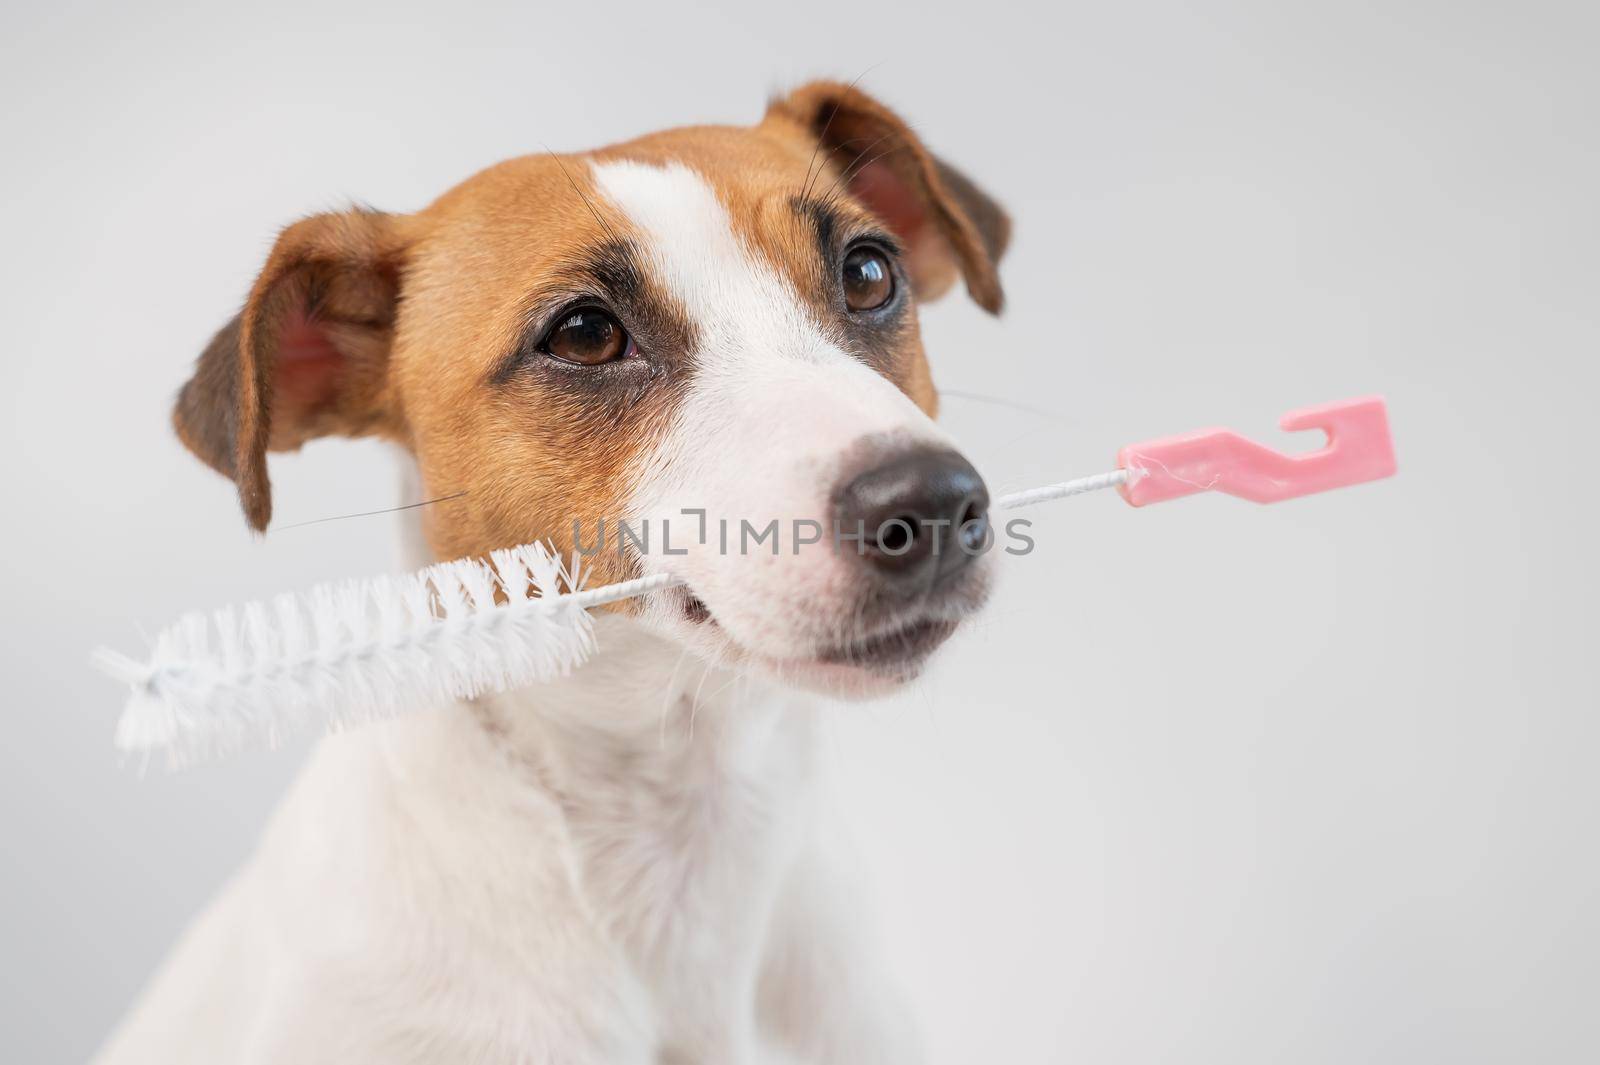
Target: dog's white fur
[(625, 866)]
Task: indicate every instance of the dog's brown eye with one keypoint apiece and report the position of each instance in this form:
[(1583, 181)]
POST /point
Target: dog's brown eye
[(587, 336), (868, 280)]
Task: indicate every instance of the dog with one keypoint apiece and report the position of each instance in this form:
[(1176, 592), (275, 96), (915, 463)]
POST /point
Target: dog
[(703, 326)]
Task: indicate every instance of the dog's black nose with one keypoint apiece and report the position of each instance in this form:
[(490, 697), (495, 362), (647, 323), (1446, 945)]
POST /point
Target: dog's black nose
[(917, 519)]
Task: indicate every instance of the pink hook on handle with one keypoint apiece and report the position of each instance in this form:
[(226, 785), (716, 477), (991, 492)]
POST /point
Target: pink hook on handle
[(1359, 449)]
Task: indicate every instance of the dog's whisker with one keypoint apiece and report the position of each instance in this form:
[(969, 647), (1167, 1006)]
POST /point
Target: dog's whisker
[(372, 513), (861, 162), (587, 202), (1001, 401), (668, 696), (822, 137)]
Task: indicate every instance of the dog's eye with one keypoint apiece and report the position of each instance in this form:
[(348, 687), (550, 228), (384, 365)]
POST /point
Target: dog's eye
[(587, 336), (868, 279)]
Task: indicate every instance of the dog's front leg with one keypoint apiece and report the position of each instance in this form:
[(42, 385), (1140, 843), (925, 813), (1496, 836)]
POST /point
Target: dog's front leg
[(824, 996)]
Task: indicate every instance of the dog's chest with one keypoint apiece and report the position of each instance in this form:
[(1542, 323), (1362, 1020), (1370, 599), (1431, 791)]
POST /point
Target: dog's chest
[(683, 845), (681, 827)]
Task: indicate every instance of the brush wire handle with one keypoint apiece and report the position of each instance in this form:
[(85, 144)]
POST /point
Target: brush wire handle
[(349, 653)]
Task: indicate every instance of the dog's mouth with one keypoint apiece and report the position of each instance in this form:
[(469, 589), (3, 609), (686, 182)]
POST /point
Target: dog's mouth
[(899, 648), (895, 649), (695, 611)]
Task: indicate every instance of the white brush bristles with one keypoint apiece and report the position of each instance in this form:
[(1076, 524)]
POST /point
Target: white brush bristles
[(350, 653)]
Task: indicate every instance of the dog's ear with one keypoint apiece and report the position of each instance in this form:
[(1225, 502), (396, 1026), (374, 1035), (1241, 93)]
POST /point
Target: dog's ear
[(945, 221), (307, 357)]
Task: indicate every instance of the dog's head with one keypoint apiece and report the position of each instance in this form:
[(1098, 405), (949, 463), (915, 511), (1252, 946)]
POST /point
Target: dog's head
[(708, 335)]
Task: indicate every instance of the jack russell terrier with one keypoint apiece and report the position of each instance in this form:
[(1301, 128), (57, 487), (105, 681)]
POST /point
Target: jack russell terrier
[(627, 865)]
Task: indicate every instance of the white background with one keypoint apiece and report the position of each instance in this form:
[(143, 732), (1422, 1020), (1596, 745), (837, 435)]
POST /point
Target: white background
[(1213, 782)]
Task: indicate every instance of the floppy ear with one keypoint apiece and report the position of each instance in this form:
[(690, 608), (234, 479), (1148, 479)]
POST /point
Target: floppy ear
[(307, 357), (947, 223)]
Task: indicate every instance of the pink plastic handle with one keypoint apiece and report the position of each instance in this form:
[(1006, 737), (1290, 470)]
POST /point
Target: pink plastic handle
[(1359, 449)]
